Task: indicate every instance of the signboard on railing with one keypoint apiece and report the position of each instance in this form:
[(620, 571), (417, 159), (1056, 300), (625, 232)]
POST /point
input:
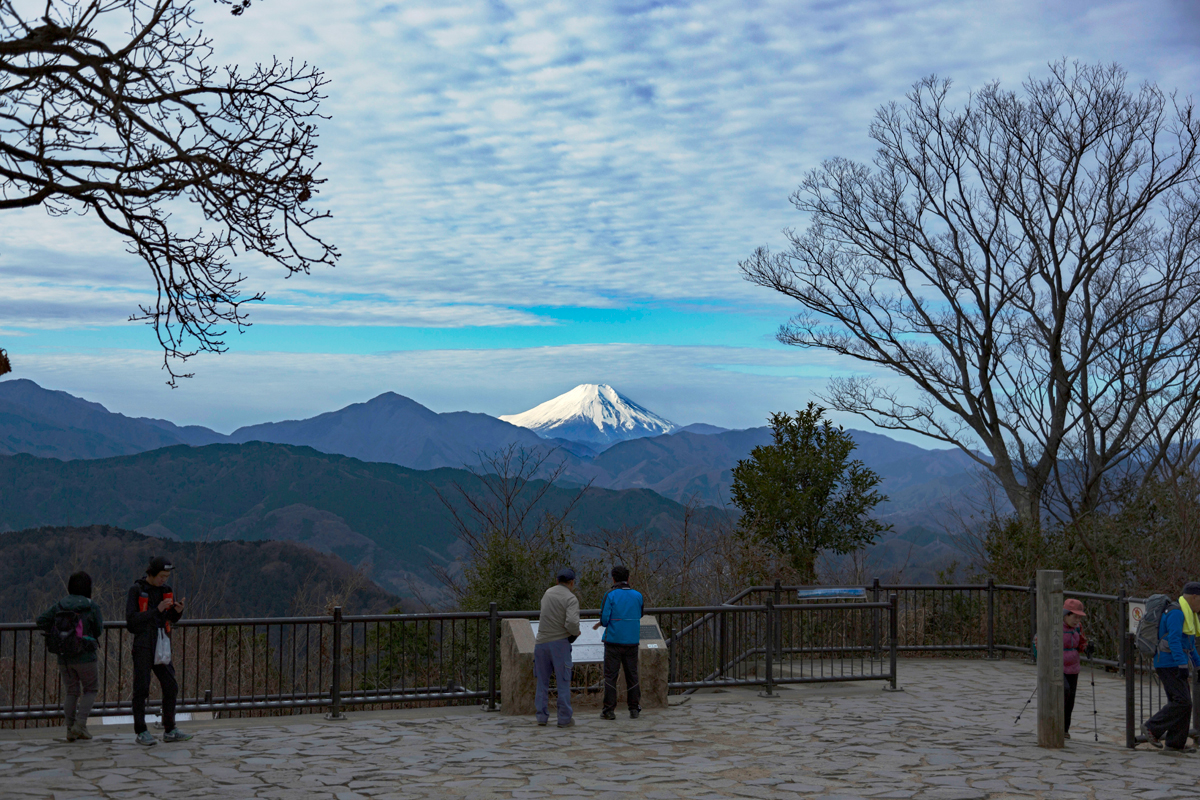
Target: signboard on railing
[(1135, 615), (833, 593), (589, 647)]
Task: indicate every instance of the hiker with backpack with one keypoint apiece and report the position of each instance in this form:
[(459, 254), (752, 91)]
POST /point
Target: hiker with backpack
[(72, 627), (1074, 643), (150, 608), (1175, 627)]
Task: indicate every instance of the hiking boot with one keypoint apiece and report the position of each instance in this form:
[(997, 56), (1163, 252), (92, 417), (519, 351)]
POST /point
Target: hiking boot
[(1187, 748), (569, 723), (176, 735), (146, 739), (80, 730), (543, 721), (634, 713), (71, 735), (607, 714), (1151, 739), (1066, 734)]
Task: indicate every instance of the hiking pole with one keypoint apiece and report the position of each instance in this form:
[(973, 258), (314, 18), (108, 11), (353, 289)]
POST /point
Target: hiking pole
[(1095, 719), (1027, 702)]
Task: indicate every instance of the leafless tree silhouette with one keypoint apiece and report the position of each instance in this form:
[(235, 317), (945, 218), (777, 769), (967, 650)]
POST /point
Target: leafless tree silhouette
[(1028, 265), (113, 107)]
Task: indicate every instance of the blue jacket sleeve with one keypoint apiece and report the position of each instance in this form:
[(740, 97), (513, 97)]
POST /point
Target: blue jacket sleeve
[(1173, 633), (606, 610)]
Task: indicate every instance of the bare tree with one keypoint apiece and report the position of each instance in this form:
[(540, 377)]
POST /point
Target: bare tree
[(1027, 265), (113, 107), (514, 537)]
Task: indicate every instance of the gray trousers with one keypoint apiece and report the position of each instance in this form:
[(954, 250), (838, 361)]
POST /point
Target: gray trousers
[(81, 682), (552, 658)]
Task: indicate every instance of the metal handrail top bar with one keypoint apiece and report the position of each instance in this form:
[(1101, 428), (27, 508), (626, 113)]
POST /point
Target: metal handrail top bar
[(1090, 595), (430, 616), (828, 606), (705, 609), (1010, 587), (945, 587)]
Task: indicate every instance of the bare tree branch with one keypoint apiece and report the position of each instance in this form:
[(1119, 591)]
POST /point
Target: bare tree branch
[(127, 126)]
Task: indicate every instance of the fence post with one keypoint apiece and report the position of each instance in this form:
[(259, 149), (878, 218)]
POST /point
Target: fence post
[(1032, 617), (721, 632), (1051, 708), (493, 620), (894, 641), (769, 691), (875, 619), (1127, 647), (778, 630), (1122, 616), (1195, 709), (991, 623), (335, 706)]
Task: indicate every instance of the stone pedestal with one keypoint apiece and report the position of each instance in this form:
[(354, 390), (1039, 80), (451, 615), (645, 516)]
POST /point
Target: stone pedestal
[(518, 684)]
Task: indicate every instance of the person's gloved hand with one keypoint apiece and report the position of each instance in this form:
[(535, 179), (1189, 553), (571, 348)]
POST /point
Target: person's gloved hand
[(1089, 650), (571, 639)]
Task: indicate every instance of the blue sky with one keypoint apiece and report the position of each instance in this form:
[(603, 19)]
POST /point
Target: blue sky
[(528, 196)]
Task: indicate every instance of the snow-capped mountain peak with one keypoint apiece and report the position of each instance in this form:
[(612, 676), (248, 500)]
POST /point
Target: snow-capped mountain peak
[(592, 413)]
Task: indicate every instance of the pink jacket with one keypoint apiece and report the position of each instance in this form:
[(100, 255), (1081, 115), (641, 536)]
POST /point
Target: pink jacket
[(1073, 643)]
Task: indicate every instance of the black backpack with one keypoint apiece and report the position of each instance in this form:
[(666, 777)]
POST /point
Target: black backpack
[(65, 637)]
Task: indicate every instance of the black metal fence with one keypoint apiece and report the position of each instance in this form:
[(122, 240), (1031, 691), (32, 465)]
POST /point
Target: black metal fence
[(246, 667)]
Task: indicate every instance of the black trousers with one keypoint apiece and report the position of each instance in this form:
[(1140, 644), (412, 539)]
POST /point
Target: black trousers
[(1070, 683), (616, 657), (1173, 720), (143, 666)]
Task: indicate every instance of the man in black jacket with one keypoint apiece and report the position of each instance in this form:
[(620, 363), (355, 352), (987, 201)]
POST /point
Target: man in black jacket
[(150, 609)]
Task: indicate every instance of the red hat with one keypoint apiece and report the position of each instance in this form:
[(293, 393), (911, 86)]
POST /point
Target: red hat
[(1075, 607)]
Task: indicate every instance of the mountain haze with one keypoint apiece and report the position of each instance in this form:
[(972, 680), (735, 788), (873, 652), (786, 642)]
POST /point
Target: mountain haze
[(55, 424), (384, 518)]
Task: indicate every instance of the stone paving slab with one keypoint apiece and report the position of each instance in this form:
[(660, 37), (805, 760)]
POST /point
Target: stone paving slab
[(948, 736)]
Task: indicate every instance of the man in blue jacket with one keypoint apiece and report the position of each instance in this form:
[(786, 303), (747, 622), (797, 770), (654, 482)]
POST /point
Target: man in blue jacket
[(1177, 632), (621, 617)]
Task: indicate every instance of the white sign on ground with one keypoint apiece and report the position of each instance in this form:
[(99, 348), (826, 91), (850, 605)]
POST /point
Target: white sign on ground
[(589, 647), (1135, 615)]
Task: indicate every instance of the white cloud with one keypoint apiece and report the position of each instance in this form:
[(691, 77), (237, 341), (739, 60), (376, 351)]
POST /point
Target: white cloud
[(489, 155)]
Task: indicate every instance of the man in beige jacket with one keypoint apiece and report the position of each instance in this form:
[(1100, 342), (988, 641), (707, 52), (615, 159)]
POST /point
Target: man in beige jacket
[(558, 626)]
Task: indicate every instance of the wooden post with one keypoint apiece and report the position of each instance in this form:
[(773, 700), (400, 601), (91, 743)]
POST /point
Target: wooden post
[(1051, 703)]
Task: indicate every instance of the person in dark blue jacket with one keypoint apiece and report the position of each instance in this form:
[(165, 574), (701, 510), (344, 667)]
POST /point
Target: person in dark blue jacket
[(621, 617), (1177, 632)]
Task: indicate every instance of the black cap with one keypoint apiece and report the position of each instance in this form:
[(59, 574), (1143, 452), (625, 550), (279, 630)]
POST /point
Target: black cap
[(159, 564), (1191, 587), (565, 575)]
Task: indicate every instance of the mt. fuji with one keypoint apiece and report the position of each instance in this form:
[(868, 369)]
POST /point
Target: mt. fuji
[(595, 414)]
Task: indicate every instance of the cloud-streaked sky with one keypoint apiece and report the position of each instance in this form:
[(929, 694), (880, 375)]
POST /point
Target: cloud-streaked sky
[(528, 196)]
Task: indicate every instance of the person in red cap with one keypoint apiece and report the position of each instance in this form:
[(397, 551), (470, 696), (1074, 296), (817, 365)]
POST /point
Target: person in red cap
[(1074, 643)]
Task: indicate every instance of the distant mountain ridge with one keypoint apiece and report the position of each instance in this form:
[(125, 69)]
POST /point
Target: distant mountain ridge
[(694, 462), (395, 429), (596, 414)]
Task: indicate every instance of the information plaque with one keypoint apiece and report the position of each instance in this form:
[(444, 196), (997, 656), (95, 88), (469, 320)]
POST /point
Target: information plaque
[(589, 647)]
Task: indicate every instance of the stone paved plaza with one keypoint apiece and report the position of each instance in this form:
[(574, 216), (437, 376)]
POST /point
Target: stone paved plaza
[(950, 734)]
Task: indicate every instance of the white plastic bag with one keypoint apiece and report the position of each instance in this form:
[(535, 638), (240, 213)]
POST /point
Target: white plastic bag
[(162, 649)]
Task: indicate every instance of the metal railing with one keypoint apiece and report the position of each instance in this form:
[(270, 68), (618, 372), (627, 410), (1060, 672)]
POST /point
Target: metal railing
[(243, 667), (248, 667)]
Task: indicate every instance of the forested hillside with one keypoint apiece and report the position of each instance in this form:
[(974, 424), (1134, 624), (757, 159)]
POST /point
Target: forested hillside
[(384, 518), (219, 579)]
